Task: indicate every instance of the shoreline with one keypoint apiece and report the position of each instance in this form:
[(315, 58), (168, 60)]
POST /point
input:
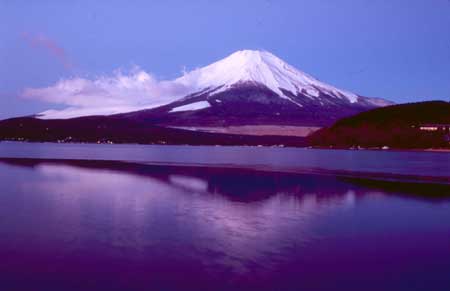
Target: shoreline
[(434, 150), (437, 150)]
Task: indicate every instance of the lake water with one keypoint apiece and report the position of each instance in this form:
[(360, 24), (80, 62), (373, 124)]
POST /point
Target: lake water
[(105, 225), (435, 164)]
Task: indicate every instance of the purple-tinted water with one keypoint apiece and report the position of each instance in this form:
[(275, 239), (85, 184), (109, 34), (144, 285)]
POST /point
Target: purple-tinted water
[(391, 162), (117, 226)]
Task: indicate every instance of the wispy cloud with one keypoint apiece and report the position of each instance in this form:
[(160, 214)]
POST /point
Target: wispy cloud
[(120, 92), (42, 41)]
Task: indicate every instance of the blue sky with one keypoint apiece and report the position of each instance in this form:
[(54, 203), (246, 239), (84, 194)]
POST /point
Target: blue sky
[(398, 49)]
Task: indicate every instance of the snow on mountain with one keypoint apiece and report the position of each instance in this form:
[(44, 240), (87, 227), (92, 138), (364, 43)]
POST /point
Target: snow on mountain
[(240, 69), (191, 106), (260, 67)]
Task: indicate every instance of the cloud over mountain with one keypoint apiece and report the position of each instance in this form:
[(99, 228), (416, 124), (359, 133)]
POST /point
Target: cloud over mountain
[(119, 92)]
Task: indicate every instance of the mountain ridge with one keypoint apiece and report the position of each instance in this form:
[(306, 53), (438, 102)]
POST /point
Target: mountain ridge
[(259, 68)]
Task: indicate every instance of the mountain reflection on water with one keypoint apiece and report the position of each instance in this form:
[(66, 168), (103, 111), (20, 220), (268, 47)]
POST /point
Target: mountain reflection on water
[(95, 225)]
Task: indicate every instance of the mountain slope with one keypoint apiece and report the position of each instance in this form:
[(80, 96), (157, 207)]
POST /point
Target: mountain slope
[(253, 87), (108, 129), (247, 104), (395, 126)]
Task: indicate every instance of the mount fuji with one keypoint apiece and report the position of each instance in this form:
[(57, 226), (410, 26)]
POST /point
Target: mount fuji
[(253, 88), (250, 97)]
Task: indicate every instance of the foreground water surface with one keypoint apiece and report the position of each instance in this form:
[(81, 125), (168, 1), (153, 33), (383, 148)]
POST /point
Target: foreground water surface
[(99, 225)]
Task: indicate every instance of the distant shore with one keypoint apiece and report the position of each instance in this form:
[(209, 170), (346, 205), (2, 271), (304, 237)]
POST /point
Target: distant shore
[(438, 150)]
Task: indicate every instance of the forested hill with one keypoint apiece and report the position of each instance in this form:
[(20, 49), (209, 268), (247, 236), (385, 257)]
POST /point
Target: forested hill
[(396, 126)]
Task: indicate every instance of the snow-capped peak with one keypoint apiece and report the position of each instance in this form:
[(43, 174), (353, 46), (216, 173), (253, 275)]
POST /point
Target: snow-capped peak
[(139, 90), (260, 67)]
